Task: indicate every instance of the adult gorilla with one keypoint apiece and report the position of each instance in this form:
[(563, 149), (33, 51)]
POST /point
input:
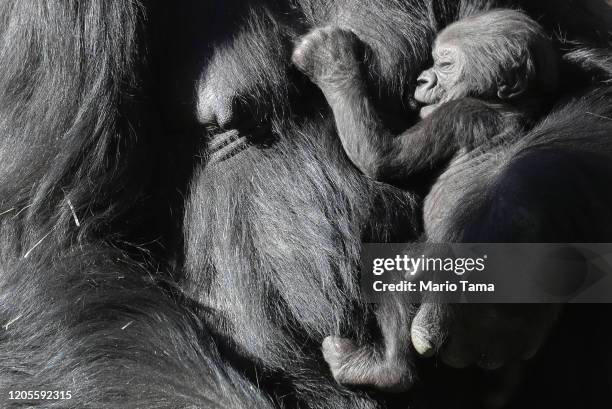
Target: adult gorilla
[(273, 232), (276, 215)]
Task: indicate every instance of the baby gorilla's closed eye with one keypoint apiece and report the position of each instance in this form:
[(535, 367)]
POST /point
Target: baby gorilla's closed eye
[(491, 56)]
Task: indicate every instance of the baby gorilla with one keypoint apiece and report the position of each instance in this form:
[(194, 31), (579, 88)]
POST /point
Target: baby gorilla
[(492, 75)]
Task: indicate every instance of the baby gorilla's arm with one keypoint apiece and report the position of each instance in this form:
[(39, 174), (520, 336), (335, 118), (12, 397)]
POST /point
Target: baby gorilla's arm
[(327, 55)]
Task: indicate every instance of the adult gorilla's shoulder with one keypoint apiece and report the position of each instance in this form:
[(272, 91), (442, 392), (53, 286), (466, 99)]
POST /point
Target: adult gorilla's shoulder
[(78, 314), (97, 325)]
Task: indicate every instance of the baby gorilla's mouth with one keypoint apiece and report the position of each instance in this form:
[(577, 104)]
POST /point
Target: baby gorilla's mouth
[(425, 102)]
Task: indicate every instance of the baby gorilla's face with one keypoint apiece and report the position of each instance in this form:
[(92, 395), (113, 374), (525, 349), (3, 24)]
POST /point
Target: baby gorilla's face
[(445, 80), (492, 55)]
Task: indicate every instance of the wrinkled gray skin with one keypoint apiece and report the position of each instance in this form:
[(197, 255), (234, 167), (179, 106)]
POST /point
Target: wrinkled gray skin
[(492, 57)]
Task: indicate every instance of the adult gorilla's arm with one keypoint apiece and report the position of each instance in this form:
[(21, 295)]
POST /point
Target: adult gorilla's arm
[(273, 234)]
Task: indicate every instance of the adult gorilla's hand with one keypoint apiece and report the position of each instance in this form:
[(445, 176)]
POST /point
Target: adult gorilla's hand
[(215, 98), (246, 79), (488, 335)]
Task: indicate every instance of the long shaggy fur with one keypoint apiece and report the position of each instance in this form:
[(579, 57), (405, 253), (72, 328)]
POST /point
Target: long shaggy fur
[(78, 314), (272, 235), (277, 256)]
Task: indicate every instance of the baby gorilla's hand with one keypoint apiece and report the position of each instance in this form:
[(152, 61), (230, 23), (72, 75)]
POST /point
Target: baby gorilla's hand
[(327, 56), (428, 110)]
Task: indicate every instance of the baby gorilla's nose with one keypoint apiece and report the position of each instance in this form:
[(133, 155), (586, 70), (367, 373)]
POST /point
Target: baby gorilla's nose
[(426, 84)]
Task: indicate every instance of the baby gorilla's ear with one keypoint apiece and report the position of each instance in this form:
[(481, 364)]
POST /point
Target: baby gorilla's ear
[(515, 79)]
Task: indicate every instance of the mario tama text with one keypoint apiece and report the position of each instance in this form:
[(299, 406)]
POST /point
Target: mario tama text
[(431, 286), (483, 273)]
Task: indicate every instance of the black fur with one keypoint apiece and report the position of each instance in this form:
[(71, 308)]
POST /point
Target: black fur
[(94, 129), (78, 313), (267, 205)]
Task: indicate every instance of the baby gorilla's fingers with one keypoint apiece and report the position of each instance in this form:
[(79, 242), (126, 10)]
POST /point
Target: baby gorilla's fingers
[(428, 110), (327, 55), (305, 53), (335, 351)]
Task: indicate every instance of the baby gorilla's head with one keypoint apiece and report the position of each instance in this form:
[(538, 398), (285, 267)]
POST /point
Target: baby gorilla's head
[(500, 54)]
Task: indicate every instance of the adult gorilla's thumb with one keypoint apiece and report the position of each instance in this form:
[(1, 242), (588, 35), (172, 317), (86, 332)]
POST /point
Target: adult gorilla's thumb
[(429, 328), (214, 107)]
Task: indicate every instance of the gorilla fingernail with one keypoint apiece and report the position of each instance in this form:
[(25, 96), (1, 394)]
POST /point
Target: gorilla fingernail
[(226, 145)]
